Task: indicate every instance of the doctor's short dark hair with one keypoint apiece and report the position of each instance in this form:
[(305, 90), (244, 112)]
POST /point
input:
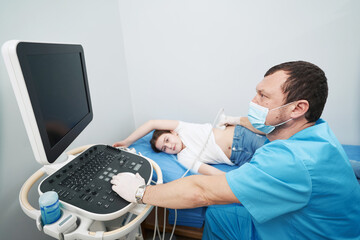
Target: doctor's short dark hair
[(156, 135), (306, 81)]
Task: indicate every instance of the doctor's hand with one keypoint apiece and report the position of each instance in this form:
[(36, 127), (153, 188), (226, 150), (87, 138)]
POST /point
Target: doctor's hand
[(228, 120), (126, 184)]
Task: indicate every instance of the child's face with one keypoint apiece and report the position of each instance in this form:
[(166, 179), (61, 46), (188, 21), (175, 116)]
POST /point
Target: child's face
[(169, 143)]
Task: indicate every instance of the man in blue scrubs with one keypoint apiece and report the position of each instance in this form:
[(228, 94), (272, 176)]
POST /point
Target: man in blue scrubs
[(299, 185)]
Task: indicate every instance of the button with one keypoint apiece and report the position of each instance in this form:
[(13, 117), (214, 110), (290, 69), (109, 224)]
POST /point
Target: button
[(62, 193), (137, 167)]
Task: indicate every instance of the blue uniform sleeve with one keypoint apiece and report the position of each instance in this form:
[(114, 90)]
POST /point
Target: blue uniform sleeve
[(274, 183)]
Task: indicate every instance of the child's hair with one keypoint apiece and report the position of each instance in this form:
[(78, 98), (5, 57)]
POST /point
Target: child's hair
[(156, 135)]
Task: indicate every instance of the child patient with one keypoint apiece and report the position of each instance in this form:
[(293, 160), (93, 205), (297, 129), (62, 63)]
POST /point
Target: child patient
[(234, 145)]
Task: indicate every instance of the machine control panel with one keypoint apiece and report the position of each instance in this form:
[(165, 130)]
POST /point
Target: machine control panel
[(84, 182)]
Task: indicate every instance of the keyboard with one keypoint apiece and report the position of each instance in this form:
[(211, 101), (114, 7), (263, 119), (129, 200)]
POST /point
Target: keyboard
[(84, 182)]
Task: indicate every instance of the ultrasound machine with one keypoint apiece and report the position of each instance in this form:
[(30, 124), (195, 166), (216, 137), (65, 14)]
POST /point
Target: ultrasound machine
[(51, 87)]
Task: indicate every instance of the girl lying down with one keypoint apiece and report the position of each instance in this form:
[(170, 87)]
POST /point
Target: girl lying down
[(234, 145)]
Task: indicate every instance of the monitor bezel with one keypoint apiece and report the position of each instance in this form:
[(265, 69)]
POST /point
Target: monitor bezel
[(28, 102)]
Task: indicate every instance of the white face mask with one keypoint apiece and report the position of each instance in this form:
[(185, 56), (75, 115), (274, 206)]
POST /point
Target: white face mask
[(257, 117)]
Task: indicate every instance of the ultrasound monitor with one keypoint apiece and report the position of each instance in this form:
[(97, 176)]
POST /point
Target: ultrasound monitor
[(51, 87), (52, 91)]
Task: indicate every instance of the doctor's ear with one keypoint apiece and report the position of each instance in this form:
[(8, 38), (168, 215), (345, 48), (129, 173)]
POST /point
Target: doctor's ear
[(300, 109)]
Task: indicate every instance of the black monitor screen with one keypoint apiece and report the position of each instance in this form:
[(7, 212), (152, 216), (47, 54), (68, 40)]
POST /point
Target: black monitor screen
[(55, 76), (58, 82)]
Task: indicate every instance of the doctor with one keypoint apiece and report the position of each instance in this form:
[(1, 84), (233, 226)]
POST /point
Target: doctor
[(299, 185)]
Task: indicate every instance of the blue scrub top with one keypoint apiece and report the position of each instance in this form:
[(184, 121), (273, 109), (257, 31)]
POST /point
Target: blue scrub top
[(302, 187)]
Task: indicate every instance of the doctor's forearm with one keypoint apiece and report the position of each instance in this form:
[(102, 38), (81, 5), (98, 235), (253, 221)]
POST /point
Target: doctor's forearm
[(177, 194), (244, 121), (190, 192)]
